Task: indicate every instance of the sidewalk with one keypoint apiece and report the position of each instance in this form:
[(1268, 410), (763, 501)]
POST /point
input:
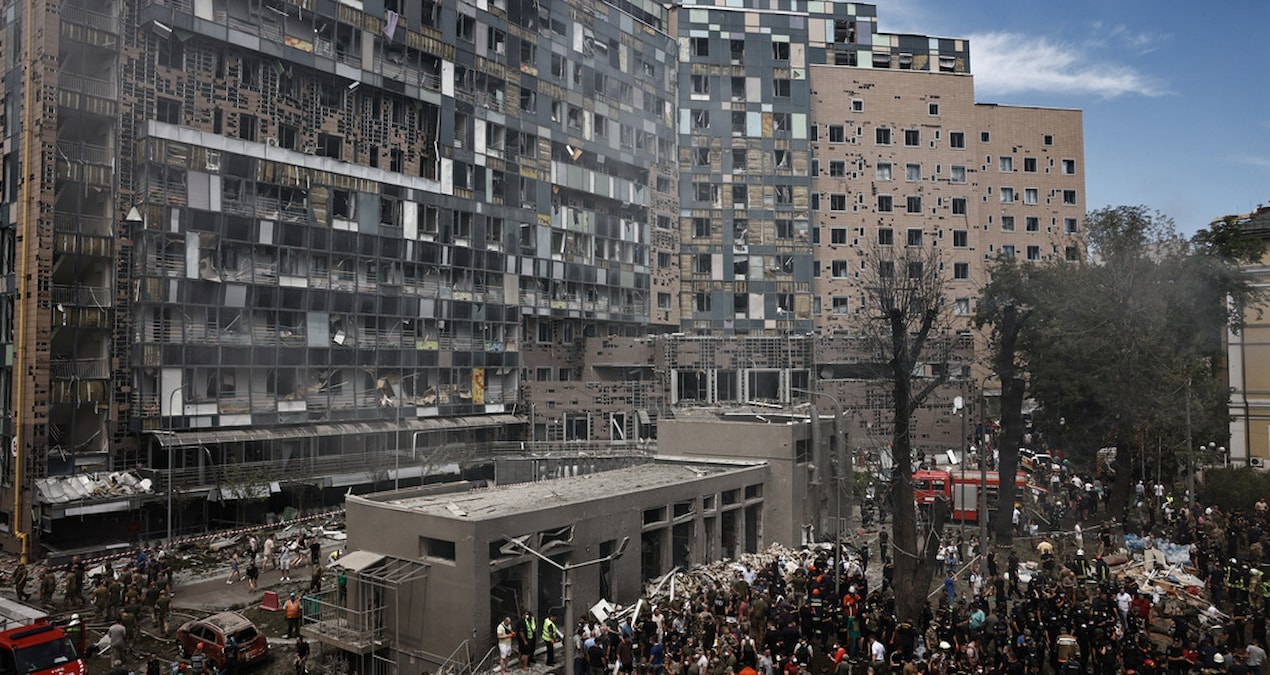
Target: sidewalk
[(213, 594)]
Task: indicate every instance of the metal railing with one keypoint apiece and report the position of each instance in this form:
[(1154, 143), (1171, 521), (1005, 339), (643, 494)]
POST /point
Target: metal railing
[(94, 296), (79, 369), (91, 86), (360, 629), (171, 264), (78, 222), (86, 17), (87, 152)]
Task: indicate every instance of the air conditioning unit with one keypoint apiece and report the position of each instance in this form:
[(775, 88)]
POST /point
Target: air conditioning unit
[(271, 142), (1257, 462)]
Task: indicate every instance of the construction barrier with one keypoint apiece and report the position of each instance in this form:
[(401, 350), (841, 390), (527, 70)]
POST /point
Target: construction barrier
[(270, 602)]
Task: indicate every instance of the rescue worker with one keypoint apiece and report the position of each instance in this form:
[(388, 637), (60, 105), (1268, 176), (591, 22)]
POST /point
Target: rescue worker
[(101, 600), (1234, 579), (1067, 649), (198, 660), (526, 636), (1256, 582), (1102, 571), (20, 577), (162, 610), (292, 610), (48, 587), (550, 636), (75, 633)]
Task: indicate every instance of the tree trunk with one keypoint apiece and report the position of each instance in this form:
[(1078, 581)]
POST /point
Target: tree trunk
[(914, 558), (1008, 460), (1118, 499), (911, 575), (1012, 389)]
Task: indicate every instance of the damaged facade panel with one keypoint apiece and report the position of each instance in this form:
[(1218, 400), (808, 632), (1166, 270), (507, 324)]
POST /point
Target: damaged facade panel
[(277, 215)]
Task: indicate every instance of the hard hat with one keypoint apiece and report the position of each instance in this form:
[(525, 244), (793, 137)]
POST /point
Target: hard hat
[(1218, 658), (1080, 551), (74, 617)]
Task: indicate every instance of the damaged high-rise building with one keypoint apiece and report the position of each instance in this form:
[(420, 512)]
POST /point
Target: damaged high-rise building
[(253, 245), (266, 251), (810, 138)]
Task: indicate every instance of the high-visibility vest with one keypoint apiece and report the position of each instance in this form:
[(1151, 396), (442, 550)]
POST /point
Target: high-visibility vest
[(531, 627), (549, 631), (292, 608)]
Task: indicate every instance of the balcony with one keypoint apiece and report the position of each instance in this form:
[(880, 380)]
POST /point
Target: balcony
[(76, 223), (165, 264), (357, 631), (86, 17), (80, 369), (83, 244), (89, 86), (87, 153), (82, 296), (81, 317)]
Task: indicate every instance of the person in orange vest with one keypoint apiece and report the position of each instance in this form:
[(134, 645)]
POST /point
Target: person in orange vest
[(292, 611)]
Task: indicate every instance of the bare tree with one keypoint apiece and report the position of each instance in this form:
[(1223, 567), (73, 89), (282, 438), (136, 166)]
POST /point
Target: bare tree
[(905, 300)]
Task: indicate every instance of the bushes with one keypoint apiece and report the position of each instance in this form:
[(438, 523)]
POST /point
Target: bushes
[(1233, 488)]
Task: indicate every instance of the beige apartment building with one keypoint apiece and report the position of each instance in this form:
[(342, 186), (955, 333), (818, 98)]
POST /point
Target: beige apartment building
[(1248, 365), (907, 158)]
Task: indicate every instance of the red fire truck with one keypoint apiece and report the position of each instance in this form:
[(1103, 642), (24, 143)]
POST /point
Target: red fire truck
[(39, 649), (961, 488)]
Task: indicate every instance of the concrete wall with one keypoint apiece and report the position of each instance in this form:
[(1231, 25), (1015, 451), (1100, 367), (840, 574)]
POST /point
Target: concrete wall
[(791, 500), (460, 594)]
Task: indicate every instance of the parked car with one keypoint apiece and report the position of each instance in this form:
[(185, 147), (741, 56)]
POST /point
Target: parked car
[(215, 630)]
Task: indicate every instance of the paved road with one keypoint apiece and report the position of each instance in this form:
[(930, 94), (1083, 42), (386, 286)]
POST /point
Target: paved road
[(210, 593)]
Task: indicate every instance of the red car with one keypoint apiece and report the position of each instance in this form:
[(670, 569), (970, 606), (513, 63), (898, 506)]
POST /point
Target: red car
[(215, 630)]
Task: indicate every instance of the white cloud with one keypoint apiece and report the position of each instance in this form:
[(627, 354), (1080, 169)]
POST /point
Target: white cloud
[(1012, 63), (1258, 161), (1122, 37)]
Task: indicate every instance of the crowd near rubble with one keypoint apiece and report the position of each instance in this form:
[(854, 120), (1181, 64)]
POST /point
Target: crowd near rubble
[(1182, 592)]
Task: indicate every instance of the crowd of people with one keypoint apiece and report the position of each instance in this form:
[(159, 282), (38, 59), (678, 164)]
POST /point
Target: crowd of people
[(1061, 611)]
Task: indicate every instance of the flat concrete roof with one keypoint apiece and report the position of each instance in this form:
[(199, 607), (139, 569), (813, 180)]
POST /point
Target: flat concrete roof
[(497, 502)]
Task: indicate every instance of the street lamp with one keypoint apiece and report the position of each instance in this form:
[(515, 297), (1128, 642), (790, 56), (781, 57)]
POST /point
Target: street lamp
[(564, 576)]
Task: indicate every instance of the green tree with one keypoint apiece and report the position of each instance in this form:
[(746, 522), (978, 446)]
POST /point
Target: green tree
[(1005, 307), (1113, 343)]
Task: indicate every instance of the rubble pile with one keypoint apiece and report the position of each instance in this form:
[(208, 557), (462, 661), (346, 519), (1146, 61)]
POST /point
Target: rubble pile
[(671, 588)]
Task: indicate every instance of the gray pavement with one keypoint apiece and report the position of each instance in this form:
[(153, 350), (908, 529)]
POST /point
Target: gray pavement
[(212, 594)]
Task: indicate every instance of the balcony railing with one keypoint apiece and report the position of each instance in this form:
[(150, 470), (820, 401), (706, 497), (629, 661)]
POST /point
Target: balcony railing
[(89, 85), (359, 631), (82, 244), (87, 17), (80, 369), (79, 223), (76, 296), (165, 264), (86, 152)]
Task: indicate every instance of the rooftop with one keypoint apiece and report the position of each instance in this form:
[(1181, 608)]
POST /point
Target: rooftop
[(497, 502)]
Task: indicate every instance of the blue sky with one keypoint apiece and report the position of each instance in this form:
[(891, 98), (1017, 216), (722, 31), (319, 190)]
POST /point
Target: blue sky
[(1176, 95)]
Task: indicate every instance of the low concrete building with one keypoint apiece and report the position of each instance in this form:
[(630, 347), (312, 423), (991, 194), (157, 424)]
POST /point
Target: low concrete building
[(804, 463), (448, 545)]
